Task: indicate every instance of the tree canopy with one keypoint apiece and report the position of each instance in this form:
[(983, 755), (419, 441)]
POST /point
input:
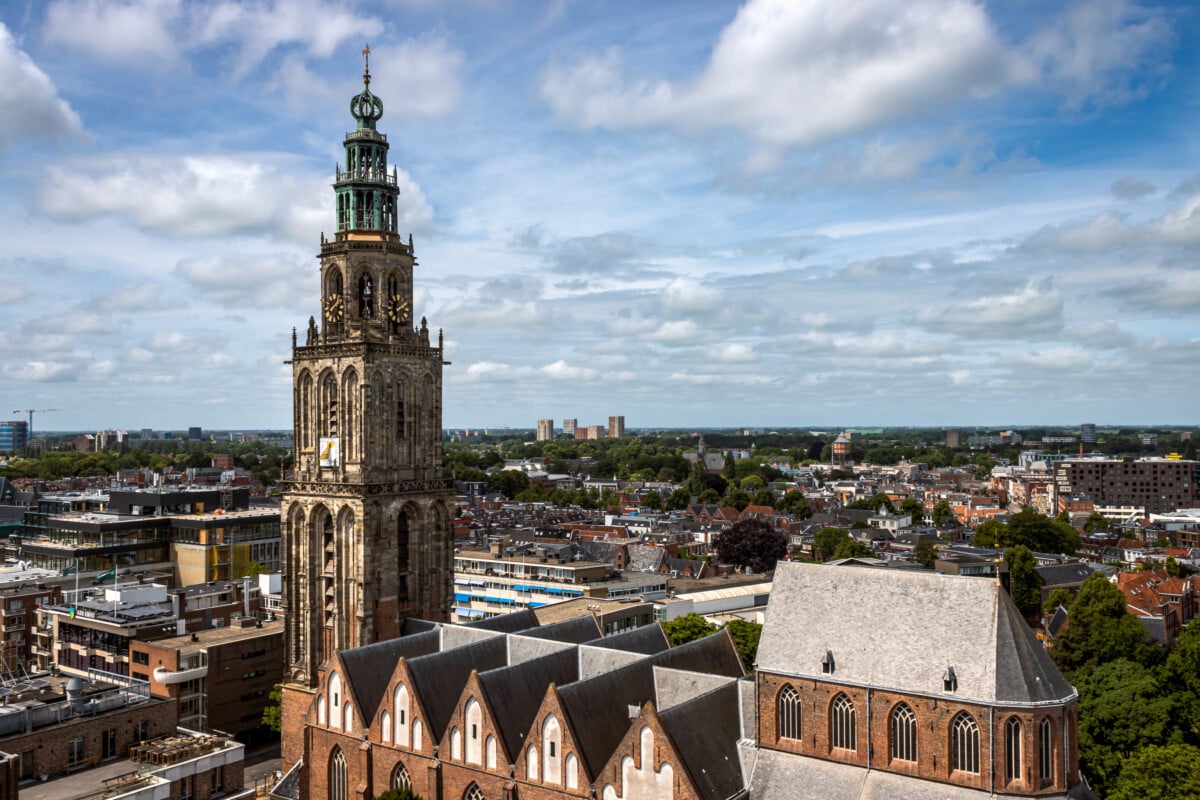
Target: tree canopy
[(826, 541), (751, 543), (689, 627), (942, 513), (1027, 527), (1023, 577), (1101, 630)]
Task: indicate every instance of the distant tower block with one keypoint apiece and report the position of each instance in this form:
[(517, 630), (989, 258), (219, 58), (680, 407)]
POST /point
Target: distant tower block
[(1087, 433), (569, 426), (545, 430), (954, 437), (616, 427)]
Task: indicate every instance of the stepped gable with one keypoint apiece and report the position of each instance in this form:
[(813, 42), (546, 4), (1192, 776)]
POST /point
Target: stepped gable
[(439, 678), (647, 640), (901, 629), (578, 630), (598, 708), (705, 731), (369, 668), (515, 693)]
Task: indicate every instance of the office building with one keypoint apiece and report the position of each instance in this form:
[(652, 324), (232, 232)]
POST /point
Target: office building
[(616, 427), (545, 430)]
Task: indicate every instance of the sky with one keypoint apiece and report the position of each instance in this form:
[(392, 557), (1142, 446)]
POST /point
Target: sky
[(695, 214)]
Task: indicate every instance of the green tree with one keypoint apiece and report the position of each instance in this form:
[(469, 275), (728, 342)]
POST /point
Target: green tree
[(942, 513), (1101, 630), (1123, 707), (925, 553), (678, 500), (990, 533), (751, 543), (509, 482), (688, 628), (652, 500), (826, 541), (764, 497), (1159, 772), (914, 508), (1095, 521), (852, 548), (1024, 581), (272, 716), (709, 497), (399, 794), (1058, 597), (736, 498), (745, 635), (796, 504)]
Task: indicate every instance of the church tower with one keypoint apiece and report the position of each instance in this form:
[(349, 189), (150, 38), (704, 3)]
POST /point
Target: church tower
[(366, 521)]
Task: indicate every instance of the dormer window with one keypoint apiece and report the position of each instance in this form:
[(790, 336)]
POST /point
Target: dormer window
[(827, 665), (949, 681)]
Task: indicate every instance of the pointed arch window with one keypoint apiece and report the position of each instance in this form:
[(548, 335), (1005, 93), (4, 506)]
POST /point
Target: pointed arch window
[(455, 744), (551, 750), (1012, 749), (571, 766), (338, 785), (473, 792), (335, 701), (843, 731), (489, 752), (400, 706), (418, 735), (531, 763), (400, 778), (903, 730), (964, 743), (385, 727), (1046, 767), (474, 715), (788, 713)]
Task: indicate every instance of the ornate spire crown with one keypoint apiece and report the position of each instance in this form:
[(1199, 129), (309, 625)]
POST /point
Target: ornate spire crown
[(366, 107)]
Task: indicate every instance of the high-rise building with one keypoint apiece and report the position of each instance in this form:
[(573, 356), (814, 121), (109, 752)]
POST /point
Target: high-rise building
[(195, 433), (545, 430), (616, 427), (954, 437), (366, 522), (1157, 485), (569, 426), (14, 434), (1087, 433)]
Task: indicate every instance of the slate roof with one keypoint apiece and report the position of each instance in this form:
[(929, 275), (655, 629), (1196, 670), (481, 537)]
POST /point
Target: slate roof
[(515, 693), (787, 776), (901, 629), (599, 707), (705, 731), (1064, 574), (369, 668), (507, 623), (288, 787), (647, 640), (577, 630), (413, 625), (439, 678)]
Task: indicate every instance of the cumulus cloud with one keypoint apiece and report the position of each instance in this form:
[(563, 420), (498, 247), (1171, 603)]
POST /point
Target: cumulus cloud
[(689, 296), (127, 30), (1035, 310), (562, 371), (240, 281), (795, 72), (204, 195), (29, 102), (1164, 291)]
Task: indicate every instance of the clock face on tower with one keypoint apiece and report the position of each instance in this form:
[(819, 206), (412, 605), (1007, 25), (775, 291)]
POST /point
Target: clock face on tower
[(397, 309), (333, 308)]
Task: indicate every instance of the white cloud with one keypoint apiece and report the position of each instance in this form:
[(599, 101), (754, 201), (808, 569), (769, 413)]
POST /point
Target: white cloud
[(426, 73), (1101, 52), (562, 371), (802, 71), (247, 281), (204, 195), (29, 102), (688, 296), (129, 31), (1033, 311), (736, 354)]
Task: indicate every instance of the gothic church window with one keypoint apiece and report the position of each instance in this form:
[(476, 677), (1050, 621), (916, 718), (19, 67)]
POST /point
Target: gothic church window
[(903, 729), (843, 732), (338, 785), (964, 743), (788, 714), (1012, 749), (1046, 768)]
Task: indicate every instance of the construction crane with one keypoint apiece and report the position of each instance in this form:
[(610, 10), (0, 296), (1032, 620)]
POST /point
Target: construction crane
[(30, 411)]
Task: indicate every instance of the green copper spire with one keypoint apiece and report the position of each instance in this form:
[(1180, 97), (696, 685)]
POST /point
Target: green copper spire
[(366, 107), (366, 194)]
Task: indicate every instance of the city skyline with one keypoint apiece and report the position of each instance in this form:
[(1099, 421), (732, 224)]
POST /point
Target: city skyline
[(777, 214)]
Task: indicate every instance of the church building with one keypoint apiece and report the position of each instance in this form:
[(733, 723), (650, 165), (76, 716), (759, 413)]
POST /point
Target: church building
[(869, 683)]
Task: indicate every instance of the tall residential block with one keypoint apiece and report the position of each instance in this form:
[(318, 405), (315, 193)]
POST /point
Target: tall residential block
[(545, 430), (616, 427)]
